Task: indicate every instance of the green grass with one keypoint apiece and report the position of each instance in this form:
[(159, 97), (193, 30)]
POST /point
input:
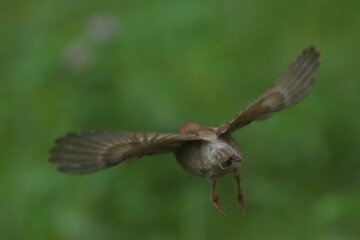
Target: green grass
[(167, 63)]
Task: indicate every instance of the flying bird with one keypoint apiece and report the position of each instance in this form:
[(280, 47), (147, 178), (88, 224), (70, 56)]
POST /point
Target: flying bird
[(207, 152)]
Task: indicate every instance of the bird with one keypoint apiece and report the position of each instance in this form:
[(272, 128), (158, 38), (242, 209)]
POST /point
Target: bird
[(209, 152)]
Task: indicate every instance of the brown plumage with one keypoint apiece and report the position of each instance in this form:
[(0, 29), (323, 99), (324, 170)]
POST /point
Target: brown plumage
[(207, 152)]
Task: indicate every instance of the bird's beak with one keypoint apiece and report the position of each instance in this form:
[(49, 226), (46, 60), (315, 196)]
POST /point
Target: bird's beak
[(236, 159)]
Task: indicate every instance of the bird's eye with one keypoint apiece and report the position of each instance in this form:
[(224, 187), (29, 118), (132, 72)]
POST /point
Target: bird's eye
[(226, 164)]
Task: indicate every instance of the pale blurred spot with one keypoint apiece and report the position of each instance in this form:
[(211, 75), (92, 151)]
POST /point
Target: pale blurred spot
[(77, 57), (103, 28)]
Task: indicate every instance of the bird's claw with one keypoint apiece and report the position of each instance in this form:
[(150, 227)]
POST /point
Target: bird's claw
[(241, 202), (216, 203)]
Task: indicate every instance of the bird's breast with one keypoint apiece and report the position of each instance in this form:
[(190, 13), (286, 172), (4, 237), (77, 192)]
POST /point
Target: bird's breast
[(202, 157)]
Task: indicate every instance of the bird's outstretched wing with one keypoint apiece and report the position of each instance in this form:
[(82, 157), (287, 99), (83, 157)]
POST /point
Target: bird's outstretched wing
[(294, 85), (86, 152)]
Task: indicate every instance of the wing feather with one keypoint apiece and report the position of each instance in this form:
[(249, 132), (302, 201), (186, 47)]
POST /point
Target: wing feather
[(86, 152), (293, 86)]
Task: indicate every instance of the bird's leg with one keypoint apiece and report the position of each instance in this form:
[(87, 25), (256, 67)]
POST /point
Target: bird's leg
[(240, 196), (215, 197)]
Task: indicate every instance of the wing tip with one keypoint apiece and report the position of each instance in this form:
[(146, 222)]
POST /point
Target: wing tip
[(312, 50)]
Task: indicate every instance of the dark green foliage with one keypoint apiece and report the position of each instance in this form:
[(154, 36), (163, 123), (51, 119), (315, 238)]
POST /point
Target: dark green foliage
[(166, 63)]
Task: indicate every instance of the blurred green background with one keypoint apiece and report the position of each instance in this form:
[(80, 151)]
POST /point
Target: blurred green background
[(151, 65)]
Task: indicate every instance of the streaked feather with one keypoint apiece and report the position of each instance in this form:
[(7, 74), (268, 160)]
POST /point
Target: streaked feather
[(86, 152), (293, 85)]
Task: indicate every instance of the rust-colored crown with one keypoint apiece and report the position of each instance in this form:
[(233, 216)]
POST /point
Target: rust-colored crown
[(189, 128)]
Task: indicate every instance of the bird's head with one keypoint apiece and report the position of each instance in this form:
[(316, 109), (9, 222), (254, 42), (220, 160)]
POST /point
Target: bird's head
[(224, 154), (190, 128)]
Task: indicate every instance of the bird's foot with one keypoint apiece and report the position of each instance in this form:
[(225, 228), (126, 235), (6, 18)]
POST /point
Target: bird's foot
[(216, 203), (241, 202)]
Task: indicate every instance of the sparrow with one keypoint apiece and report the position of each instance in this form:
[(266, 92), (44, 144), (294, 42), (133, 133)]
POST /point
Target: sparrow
[(207, 152)]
